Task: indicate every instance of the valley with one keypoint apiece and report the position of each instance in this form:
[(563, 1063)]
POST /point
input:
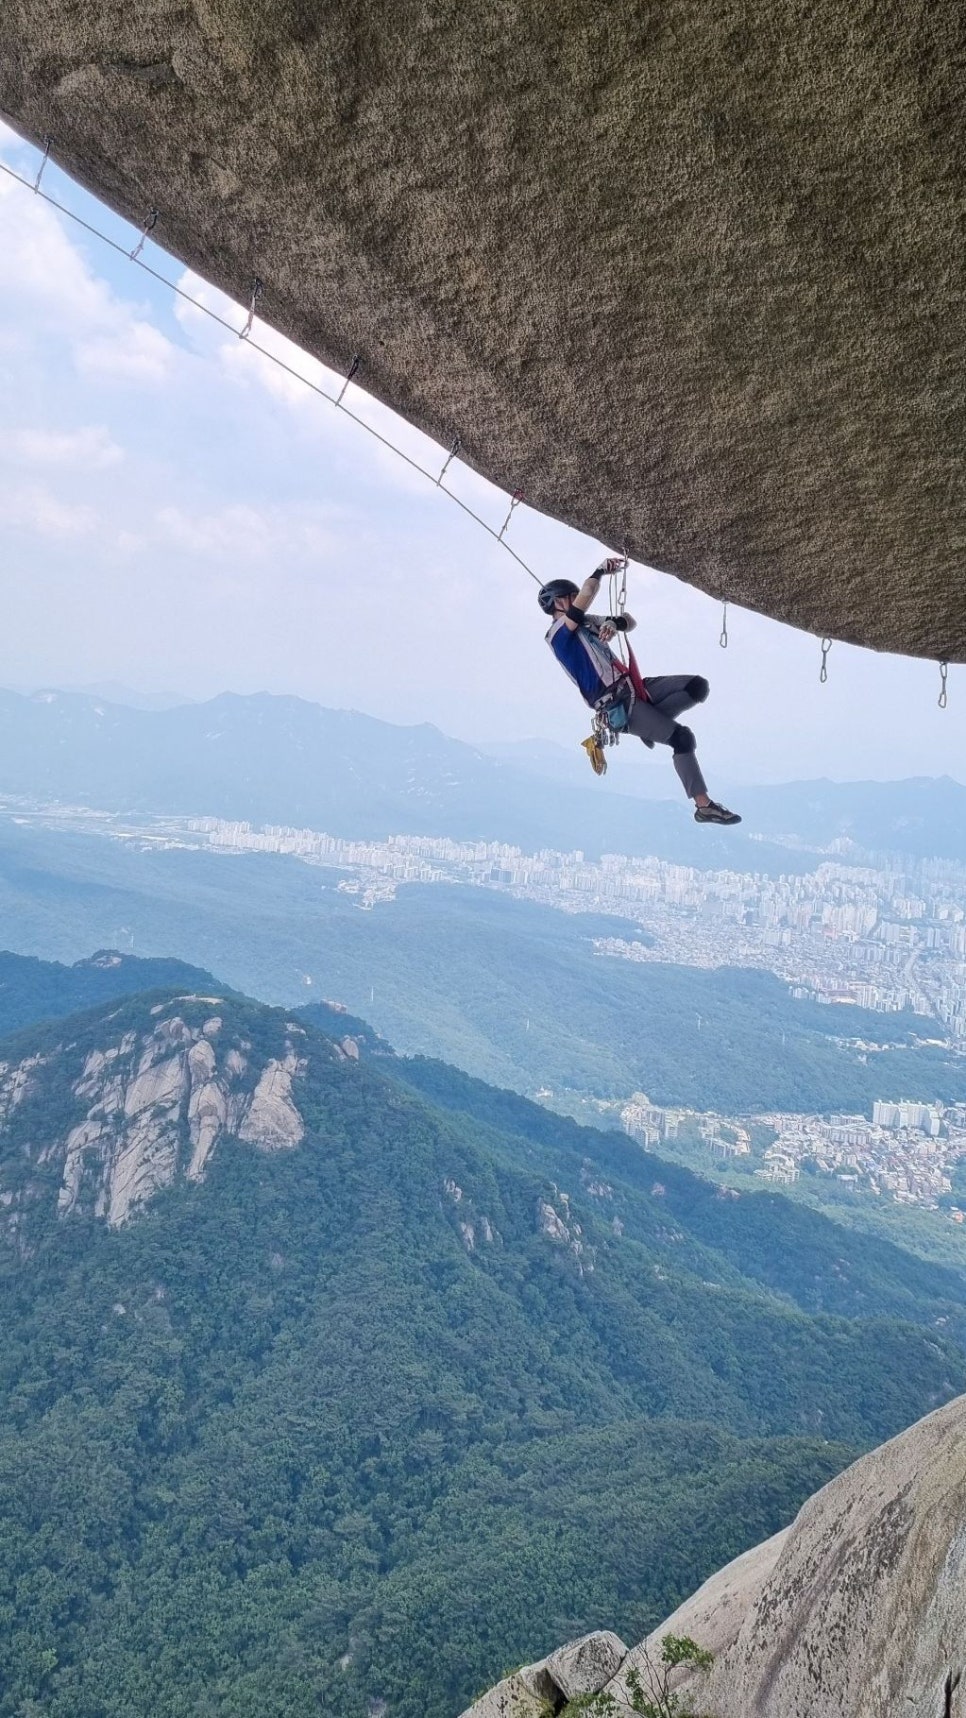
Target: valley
[(331, 1379)]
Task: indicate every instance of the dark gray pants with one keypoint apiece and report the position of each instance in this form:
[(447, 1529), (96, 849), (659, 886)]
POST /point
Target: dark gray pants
[(656, 721)]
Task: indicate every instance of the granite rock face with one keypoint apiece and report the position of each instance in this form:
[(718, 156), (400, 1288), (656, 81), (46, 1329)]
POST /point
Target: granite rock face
[(511, 1698), (153, 1105), (584, 1666), (692, 277), (858, 1610)]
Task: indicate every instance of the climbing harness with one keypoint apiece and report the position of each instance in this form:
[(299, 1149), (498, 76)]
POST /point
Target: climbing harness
[(612, 711)]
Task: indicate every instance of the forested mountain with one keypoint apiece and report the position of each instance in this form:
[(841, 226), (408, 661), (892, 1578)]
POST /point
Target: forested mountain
[(320, 1390), (32, 989)]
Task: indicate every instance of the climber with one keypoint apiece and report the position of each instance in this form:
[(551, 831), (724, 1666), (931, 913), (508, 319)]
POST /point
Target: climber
[(621, 699)]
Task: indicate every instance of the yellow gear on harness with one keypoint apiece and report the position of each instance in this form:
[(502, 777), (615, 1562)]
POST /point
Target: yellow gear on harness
[(595, 752)]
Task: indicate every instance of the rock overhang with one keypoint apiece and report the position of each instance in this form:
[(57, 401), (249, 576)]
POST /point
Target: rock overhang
[(692, 278)]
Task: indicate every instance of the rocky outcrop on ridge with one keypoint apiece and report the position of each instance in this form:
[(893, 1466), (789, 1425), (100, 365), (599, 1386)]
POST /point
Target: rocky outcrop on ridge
[(857, 1610), (153, 1105), (585, 1666), (690, 276)]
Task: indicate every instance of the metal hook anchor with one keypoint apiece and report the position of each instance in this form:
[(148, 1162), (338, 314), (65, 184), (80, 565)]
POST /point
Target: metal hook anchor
[(353, 369), (256, 295), (515, 500), (44, 159), (454, 450), (147, 228)]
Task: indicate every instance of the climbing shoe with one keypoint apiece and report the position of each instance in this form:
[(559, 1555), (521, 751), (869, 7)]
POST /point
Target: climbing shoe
[(715, 813), (598, 762)]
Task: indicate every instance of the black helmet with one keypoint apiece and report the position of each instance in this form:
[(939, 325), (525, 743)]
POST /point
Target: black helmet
[(549, 594)]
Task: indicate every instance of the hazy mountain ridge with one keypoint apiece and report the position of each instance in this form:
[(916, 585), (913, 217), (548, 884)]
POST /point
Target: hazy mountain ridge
[(282, 760), (285, 1436), (921, 816)]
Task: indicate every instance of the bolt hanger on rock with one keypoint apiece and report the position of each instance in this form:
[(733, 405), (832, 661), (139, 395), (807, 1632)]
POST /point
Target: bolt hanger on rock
[(515, 500), (352, 371), (148, 227), (243, 333), (43, 162), (454, 450)]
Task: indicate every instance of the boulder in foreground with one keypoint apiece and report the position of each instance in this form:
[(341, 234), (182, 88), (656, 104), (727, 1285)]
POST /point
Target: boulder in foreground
[(584, 1666)]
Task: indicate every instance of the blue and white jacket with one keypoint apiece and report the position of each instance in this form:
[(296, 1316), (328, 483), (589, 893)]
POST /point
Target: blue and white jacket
[(591, 664)]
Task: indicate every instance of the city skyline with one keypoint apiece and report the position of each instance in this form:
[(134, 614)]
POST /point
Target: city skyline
[(885, 936)]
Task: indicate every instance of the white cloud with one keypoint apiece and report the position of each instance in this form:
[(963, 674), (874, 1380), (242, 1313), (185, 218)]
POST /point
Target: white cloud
[(48, 285), (295, 379), (242, 532), (130, 352), (35, 509), (12, 145), (87, 449), (39, 267), (129, 542), (236, 530), (240, 358)]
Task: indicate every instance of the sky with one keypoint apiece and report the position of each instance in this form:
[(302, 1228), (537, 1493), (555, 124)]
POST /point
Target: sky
[(179, 515)]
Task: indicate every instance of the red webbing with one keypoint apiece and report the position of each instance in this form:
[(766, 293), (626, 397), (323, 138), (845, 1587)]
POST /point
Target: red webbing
[(635, 673)]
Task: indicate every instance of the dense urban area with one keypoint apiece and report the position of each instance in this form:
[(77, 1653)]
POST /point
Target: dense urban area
[(885, 939), (905, 1152)]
